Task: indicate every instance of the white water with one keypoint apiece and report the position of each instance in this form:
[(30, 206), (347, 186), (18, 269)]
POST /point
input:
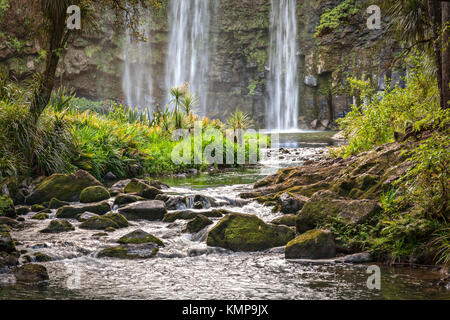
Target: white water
[(137, 78), (189, 46), (282, 105)]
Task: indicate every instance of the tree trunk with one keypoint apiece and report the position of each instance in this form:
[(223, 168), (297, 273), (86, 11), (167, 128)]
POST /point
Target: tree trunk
[(58, 38), (433, 12), (445, 6)]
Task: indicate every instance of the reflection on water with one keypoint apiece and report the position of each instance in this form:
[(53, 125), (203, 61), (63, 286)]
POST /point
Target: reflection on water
[(187, 269)]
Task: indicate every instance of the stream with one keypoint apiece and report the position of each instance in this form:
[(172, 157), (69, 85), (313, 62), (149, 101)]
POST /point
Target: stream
[(187, 269)]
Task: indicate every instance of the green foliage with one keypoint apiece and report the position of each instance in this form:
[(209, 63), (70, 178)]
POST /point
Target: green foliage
[(239, 120), (333, 18), (394, 110)]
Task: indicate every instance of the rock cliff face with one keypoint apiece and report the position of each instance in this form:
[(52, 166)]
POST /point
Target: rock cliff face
[(93, 65)]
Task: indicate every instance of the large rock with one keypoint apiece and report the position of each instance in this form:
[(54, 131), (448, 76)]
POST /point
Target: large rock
[(286, 220), (94, 194), (124, 199), (151, 210), (31, 273), (326, 204), (138, 185), (197, 224), (57, 226), (191, 214), (65, 187), (71, 212), (313, 244), (131, 252), (242, 232), (291, 203), (7, 207), (111, 220), (6, 241), (140, 237)]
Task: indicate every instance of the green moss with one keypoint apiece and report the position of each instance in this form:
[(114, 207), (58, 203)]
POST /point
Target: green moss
[(313, 244), (7, 207), (140, 237), (240, 232), (121, 252), (333, 18), (199, 223), (56, 204), (40, 216), (37, 208), (135, 186), (112, 220), (94, 194), (40, 257), (57, 226)]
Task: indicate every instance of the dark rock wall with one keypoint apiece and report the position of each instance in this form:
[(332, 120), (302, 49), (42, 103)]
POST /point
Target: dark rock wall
[(93, 64)]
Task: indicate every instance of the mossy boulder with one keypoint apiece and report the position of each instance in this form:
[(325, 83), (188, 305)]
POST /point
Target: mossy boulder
[(9, 222), (140, 237), (325, 204), (150, 193), (132, 252), (65, 187), (191, 214), (111, 220), (56, 204), (124, 199), (58, 226), (94, 194), (41, 257), (86, 216), (313, 244), (197, 224), (22, 210), (37, 208), (31, 273), (286, 220), (40, 216), (151, 210), (7, 207), (71, 212), (242, 232), (135, 186), (7, 243)]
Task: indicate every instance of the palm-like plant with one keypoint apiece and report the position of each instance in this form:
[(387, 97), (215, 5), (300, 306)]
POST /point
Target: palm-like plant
[(189, 102), (239, 120)]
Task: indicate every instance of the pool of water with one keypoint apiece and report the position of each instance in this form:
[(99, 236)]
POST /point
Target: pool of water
[(187, 269)]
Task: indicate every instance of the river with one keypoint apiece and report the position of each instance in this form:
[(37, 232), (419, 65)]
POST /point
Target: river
[(187, 269)]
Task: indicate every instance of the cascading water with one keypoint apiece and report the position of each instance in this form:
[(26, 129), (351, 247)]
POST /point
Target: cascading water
[(189, 46), (137, 81), (282, 104)]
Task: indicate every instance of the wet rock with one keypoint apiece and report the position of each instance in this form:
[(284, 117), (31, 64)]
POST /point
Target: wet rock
[(138, 185), (198, 205), (22, 210), (125, 199), (41, 257), (132, 252), (40, 216), (31, 273), (140, 237), (111, 220), (86, 216), (7, 207), (9, 222), (313, 244), (286, 220), (362, 257), (71, 212), (8, 260), (241, 232), (197, 224), (191, 214), (57, 226), (56, 204), (94, 194), (6, 241), (291, 203), (151, 210), (110, 176), (150, 193), (325, 204), (37, 208), (65, 187)]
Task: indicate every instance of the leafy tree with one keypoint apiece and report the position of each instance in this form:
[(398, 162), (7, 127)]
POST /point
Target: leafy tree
[(55, 16), (425, 24)]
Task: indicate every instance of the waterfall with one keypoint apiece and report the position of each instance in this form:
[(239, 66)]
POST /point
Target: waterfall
[(137, 81), (282, 104), (189, 46)]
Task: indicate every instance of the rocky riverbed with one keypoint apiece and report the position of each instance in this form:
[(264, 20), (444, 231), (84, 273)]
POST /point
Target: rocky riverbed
[(224, 239)]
